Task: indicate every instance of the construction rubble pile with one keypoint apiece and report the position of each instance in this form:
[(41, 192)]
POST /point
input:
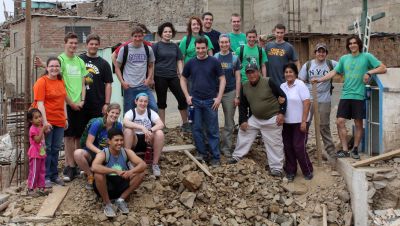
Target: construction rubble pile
[(384, 193), (241, 194)]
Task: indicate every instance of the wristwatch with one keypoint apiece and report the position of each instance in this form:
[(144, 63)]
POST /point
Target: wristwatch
[(369, 74)]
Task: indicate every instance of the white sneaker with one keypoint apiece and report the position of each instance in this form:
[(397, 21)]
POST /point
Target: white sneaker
[(156, 170)]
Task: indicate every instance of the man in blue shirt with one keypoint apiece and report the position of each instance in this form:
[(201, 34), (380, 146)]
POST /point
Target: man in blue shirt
[(208, 84)]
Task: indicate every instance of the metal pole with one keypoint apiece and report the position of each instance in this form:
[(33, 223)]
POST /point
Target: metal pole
[(242, 15), (28, 68)]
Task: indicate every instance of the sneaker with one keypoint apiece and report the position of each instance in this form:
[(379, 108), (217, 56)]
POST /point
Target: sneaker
[(233, 160), (109, 210), (31, 192), (290, 177), (215, 163), (42, 192), (186, 127), (122, 206), (48, 184), (165, 130), (200, 157), (309, 176), (342, 154), (89, 183), (66, 174), (354, 153), (275, 173), (156, 170), (227, 153), (58, 181)]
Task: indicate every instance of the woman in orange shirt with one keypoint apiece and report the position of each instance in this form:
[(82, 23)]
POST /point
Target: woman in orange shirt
[(49, 95)]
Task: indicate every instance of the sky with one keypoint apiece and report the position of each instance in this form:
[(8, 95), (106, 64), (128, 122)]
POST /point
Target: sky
[(9, 7)]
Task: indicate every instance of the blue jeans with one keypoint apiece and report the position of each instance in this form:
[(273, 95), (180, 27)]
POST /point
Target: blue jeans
[(54, 140), (130, 94), (205, 116)]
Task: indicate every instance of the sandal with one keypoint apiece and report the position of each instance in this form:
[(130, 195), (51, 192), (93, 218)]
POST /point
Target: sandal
[(342, 154)]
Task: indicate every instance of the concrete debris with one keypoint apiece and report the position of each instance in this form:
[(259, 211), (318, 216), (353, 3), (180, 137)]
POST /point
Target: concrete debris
[(192, 181), (187, 199)]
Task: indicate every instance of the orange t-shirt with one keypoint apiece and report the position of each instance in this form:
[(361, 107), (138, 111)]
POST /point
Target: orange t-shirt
[(52, 93)]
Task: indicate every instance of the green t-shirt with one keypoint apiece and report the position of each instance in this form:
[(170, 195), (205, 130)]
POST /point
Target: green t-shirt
[(250, 55), (354, 68), (237, 40), (73, 70), (190, 52)]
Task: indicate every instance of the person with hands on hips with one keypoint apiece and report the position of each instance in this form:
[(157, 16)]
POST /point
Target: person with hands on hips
[(295, 127), (262, 108)]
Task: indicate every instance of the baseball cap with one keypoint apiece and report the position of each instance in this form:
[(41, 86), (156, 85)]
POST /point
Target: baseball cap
[(321, 45), (251, 67)]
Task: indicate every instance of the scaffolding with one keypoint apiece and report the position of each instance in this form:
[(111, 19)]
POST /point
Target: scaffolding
[(294, 24)]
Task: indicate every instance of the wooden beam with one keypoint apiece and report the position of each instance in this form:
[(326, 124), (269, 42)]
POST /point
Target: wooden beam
[(384, 156), (324, 215), (201, 166), (52, 202), (4, 205), (317, 124), (178, 148)]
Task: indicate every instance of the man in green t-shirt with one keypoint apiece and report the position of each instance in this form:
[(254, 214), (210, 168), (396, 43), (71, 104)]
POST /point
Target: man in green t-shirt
[(357, 68), (250, 53), (237, 37), (73, 71)]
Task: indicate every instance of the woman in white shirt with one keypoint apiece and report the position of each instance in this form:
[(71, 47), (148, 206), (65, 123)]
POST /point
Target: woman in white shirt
[(295, 127)]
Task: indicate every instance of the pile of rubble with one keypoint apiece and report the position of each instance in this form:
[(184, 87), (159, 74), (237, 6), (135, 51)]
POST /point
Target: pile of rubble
[(384, 193), (240, 194)]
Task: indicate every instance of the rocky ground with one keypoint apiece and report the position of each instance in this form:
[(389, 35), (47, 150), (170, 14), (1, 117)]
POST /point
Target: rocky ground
[(241, 194)]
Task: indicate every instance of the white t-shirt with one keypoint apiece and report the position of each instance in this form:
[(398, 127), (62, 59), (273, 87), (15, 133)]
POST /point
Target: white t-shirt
[(142, 119), (318, 71), (295, 96)]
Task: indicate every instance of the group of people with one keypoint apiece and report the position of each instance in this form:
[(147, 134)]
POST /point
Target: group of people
[(206, 69)]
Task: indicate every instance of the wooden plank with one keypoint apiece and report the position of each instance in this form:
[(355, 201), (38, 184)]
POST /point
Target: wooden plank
[(52, 202), (317, 124), (34, 219), (201, 166), (178, 148), (384, 156), (324, 215)]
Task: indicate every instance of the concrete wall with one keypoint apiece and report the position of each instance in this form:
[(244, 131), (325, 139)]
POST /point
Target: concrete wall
[(336, 15), (153, 13)]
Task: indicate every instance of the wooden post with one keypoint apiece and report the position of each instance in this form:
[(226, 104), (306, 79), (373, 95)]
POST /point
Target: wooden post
[(28, 68), (316, 124), (324, 215)]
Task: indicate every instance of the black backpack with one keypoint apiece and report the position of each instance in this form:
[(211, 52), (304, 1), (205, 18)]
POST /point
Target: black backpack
[(148, 114), (259, 55), (125, 56), (330, 66)]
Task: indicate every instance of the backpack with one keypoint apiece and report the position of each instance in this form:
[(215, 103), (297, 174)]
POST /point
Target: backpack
[(259, 55), (330, 66), (108, 153), (125, 56), (148, 115), (85, 133)]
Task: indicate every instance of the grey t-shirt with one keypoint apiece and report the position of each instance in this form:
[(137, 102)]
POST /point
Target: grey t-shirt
[(317, 71), (167, 55), (136, 66), (279, 55)]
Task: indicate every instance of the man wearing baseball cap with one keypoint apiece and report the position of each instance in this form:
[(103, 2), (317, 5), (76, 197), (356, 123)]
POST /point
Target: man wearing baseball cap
[(260, 111), (317, 68)]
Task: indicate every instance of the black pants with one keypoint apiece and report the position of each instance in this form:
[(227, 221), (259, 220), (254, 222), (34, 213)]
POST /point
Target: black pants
[(162, 84)]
